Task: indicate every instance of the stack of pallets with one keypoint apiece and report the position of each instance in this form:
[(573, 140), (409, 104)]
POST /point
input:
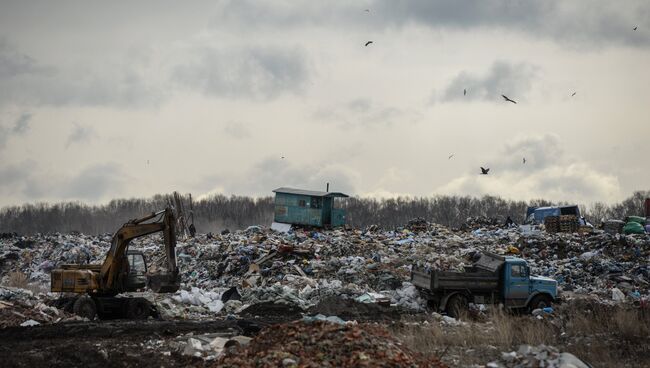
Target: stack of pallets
[(552, 224), (568, 223)]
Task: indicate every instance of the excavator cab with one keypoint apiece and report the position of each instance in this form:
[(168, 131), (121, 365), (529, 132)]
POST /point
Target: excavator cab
[(137, 276)]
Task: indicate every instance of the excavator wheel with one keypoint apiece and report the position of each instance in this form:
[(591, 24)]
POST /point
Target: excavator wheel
[(137, 308), (85, 306)]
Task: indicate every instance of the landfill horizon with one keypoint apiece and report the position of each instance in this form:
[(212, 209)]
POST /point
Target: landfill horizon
[(348, 280), (306, 184)]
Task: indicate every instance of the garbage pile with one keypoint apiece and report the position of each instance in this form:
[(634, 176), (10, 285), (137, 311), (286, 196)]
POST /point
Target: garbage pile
[(19, 307), (537, 356), (301, 268), (324, 341)]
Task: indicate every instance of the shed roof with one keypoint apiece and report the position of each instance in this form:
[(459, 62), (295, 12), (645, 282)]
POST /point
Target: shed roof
[(311, 193)]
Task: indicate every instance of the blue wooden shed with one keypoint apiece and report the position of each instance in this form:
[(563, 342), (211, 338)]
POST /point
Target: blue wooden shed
[(308, 207)]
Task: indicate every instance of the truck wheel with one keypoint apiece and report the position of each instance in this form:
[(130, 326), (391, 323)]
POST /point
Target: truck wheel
[(137, 308), (85, 306), (456, 306), (539, 302)]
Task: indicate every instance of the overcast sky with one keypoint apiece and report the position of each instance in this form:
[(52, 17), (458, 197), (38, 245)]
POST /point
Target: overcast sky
[(102, 100)]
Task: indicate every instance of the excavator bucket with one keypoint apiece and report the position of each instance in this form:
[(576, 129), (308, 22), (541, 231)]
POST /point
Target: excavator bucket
[(164, 283)]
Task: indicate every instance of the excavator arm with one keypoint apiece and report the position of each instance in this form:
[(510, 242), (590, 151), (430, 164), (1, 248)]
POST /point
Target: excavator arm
[(112, 270)]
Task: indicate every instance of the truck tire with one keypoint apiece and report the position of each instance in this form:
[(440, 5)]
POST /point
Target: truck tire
[(539, 302), (137, 308), (456, 306), (85, 306)]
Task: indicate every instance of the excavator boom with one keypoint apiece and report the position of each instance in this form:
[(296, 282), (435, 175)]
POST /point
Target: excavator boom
[(110, 278)]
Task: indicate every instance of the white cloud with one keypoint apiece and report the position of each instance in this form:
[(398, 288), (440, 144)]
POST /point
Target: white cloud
[(547, 173), (513, 80)]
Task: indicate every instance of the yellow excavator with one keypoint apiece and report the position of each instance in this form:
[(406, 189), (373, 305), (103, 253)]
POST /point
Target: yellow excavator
[(123, 271)]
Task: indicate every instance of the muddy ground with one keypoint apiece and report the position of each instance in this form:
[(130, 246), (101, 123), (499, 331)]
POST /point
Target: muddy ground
[(622, 342), (104, 344)]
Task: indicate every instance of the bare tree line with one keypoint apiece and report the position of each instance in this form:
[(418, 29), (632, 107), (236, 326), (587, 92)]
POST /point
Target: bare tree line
[(219, 212)]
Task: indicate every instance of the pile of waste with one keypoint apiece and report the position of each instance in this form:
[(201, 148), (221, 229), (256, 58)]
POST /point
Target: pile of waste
[(301, 268), (19, 307), (537, 356), (323, 342)]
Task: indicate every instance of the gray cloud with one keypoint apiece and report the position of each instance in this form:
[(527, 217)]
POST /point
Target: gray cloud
[(25, 80), (13, 63), (94, 182), (272, 173), (262, 73), (13, 175), (512, 80), (79, 134), (237, 130), (579, 22), (21, 125), (27, 179), (363, 112)]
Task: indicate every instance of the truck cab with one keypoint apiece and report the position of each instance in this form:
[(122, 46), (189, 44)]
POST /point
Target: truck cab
[(519, 288)]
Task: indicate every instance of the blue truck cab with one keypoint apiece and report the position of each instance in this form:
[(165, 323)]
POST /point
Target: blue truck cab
[(519, 287), (493, 279)]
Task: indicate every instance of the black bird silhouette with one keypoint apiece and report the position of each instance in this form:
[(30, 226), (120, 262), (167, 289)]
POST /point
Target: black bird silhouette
[(450, 156), (368, 10), (635, 27), (507, 99), (368, 43), (524, 160), (283, 157), (573, 94), (464, 92), (484, 171)]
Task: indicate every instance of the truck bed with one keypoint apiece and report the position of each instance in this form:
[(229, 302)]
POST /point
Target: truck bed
[(443, 280)]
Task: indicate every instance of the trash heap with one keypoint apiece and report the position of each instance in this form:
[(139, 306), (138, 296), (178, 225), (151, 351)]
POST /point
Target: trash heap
[(537, 356), (323, 342), (301, 268), (19, 307)]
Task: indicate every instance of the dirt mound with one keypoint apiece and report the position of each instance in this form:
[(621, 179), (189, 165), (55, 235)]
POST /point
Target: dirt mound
[(324, 344), (349, 309), (273, 312)]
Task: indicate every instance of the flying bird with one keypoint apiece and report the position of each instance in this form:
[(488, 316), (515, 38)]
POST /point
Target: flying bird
[(282, 157), (484, 171), (524, 160), (368, 10), (368, 43), (464, 92), (573, 94), (450, 156), (507, 99), (635, 27)]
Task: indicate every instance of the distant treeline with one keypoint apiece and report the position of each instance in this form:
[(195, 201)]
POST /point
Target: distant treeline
[(236, 212)]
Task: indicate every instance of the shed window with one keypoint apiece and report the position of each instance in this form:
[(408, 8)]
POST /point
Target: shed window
[(302, 203), (316, 202)]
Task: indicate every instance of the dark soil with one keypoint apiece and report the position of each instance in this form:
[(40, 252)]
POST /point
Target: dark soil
[(272, 312), (349, 309), (103, 344)]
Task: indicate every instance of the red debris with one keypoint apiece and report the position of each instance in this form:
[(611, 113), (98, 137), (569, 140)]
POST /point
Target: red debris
[(324, 344)]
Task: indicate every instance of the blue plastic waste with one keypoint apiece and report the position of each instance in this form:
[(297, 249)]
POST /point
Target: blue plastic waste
[(548, 310)]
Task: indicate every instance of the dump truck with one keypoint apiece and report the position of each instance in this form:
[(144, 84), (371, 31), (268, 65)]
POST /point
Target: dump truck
[(493, 279), (103, 289)]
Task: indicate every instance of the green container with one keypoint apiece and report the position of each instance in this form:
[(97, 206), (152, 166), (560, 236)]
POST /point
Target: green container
[(638, 219), (633, 228)]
